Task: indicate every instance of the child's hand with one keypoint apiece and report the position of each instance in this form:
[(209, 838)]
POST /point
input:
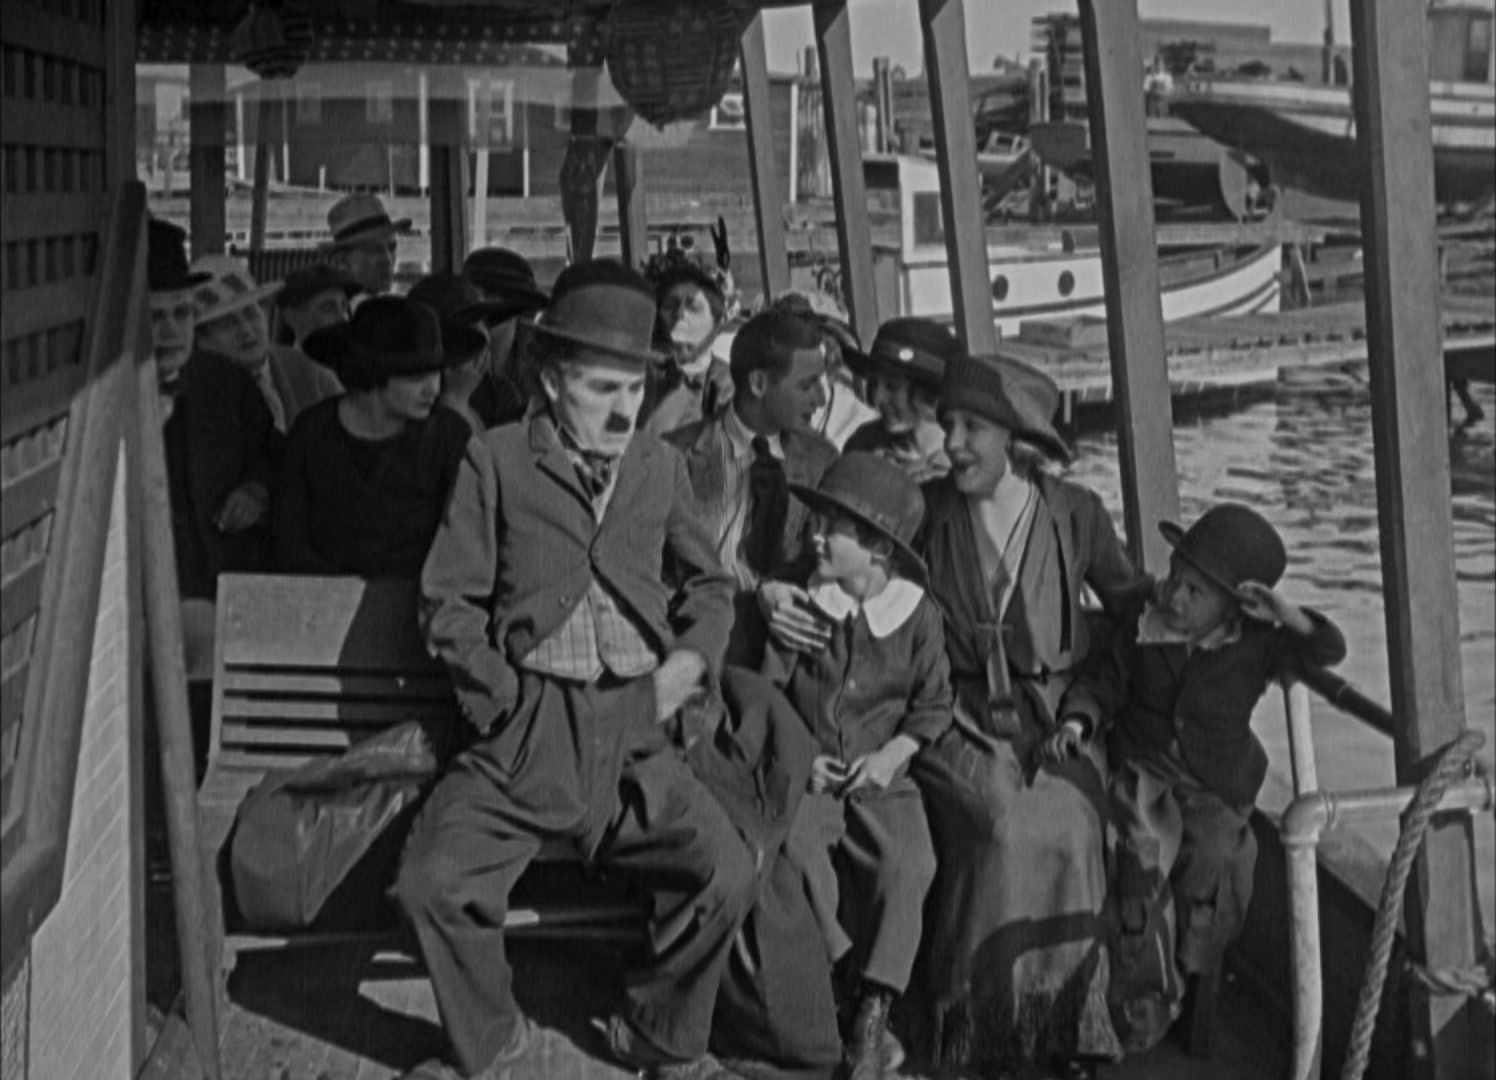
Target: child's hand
[(1064, 743), (827, 774), (1265, 605)]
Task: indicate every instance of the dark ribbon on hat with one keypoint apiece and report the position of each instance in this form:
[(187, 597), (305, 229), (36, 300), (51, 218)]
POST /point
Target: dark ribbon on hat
[(768, 508)]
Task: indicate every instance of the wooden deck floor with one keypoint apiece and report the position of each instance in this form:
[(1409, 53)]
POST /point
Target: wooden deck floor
[(342, 1014)]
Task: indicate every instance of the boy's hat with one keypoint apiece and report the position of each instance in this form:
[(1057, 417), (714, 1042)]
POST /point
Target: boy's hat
[(1007, 392), (505, 274), (875, 492), (166, 258), (457, 300), (394, 336), (603, 307), (360, 218), (229, 287), (1230, 544), (306, 284), (907, 348)]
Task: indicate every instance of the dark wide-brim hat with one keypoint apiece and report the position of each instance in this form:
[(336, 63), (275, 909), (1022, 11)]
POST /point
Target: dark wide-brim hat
[(603, 308), (459, 301), (875, 492), (505, 275), (166, 258), (394, 336), (1008, 392), (907, 348), (1230, 544)]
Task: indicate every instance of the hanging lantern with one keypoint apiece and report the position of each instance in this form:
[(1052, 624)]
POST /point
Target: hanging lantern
[(272, 42), (673, 59)]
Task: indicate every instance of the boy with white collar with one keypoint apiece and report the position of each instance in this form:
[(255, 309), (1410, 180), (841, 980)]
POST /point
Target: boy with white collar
[(872, 697)]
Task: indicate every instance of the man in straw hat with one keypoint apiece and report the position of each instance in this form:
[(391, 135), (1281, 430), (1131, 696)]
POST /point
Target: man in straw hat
[(364, 240), (542, 594)]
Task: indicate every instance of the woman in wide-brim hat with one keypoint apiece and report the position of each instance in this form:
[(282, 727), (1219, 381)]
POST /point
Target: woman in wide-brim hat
[(367, 473), (1017, 945), (901, 376)]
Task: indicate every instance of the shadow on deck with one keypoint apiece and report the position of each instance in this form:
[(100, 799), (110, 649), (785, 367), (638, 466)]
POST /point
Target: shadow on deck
[(346, 1013)]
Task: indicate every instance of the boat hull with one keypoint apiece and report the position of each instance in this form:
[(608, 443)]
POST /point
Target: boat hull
[(1307, 134)]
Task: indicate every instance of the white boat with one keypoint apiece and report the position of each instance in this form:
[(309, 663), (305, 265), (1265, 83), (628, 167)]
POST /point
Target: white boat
[(1049, 278)]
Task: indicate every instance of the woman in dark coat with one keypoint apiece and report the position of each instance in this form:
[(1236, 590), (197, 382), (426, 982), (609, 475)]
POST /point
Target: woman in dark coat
[(367, 473)]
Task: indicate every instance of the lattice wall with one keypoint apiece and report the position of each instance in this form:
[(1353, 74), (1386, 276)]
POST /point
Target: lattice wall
[(53, 145)]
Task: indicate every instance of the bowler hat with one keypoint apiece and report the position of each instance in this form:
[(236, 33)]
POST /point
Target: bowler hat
[(873, 491), (166, 258), (907, 348), (1230, 544), (306, 284), (360, 218), (603, 308), (1007, 392), (458, 301), (504, 275), (394, 336), (229, 286)]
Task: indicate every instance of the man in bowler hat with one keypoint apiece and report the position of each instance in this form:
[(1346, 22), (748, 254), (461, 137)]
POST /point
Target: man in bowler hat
[(542, 594)]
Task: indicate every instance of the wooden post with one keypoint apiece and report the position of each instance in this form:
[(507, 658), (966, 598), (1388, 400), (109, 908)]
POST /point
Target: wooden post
[(633, 222), (260, 199), (1129, 263), (449, 184), (207, 86), (763, 166), (854, 232), (1390, 92), (960, 183)]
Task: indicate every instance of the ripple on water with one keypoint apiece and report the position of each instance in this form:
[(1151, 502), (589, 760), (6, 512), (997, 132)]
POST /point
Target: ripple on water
[(1304, 460)]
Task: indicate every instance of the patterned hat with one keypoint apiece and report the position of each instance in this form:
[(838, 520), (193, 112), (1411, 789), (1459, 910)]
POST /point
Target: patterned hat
[(230, 286), (1008, 392), (360, 218)]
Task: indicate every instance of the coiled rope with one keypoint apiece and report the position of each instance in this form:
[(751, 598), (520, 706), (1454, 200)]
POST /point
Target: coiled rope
[(1453, 761)]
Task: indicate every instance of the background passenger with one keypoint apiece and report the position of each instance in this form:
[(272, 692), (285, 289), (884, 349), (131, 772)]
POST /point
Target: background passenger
[(901, 376), (365, 241), (505, 277), (308, 300), (695, 302), (844, 411)]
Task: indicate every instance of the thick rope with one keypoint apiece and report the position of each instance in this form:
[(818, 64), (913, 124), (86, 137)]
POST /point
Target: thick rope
[(1452, 762)]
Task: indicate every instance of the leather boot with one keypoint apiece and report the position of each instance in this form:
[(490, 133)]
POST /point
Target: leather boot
[(865, 1056)]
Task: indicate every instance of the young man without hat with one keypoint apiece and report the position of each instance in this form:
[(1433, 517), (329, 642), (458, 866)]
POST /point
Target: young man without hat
[(543, 595), (1174, 699), (742, 459), (364, 241)]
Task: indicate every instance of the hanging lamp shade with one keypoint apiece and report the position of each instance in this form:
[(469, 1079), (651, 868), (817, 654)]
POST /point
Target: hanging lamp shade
[(673, 59), (272, 42)]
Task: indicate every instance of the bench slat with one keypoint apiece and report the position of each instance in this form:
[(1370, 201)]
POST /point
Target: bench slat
[(329, 738), (424, 685), (293, 712)]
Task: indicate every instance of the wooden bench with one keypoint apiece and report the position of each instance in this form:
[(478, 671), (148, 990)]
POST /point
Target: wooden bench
[(304, 667)]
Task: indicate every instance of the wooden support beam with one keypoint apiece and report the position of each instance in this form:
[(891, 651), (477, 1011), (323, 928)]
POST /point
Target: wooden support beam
[(633, 222), (1129, 263), (449, 184), (960, 183), (763, 167), (854, 232), (1390, 93), (260, 196), (207, 118)]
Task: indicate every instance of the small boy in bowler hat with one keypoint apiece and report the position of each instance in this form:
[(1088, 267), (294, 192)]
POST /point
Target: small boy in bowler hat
[(872, 697), (1175, 698)]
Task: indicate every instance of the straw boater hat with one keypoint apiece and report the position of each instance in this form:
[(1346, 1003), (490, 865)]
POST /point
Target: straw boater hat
[(166, 258), (602, 307), (875, 492), (360, 218), (1007, 392), (506, 275), (394, 336), (457, 300), (229, 287), (1230, 544), (306, 284), (907, 348)]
